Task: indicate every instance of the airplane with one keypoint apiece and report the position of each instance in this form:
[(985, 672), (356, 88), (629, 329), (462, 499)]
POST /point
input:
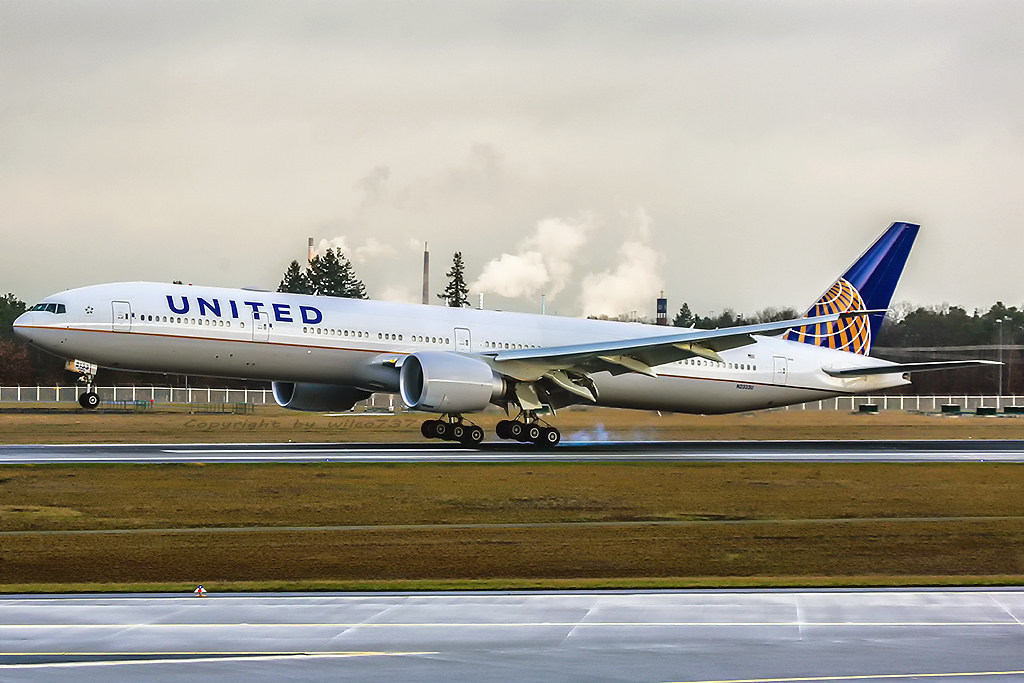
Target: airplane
[(327, 353)]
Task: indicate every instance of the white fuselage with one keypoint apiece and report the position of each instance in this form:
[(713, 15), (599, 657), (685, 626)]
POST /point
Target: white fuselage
[(153, 327)]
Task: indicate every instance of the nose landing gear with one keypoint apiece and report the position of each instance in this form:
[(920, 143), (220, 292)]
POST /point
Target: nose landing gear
[(89, 399)]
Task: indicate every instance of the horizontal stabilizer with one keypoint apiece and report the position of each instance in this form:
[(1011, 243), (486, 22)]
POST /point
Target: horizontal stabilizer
[(907, 367)]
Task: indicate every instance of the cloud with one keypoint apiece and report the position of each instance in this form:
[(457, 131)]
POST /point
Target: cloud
[(633, 283), (542, 263)]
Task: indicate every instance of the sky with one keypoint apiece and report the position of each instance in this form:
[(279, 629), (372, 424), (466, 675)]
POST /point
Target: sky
[(732, 153)]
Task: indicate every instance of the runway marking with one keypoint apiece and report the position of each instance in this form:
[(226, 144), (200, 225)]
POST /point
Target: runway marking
[(275, 451), (525, 624), (189, 657), (862, 677)]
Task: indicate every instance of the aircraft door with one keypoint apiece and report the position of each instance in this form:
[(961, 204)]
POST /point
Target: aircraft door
[(462, 340), (260, 326), (122, 316), (781, 371)]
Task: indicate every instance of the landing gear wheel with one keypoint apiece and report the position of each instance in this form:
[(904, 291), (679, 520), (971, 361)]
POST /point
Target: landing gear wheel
[(441, 429), (533, 432), (89, 400), (472, 436), (455, 432), (501, 430), (549, 436), (427, 429), (517, 431)]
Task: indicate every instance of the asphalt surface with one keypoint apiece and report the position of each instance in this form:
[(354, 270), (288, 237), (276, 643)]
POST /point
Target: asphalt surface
[(736, 451), (766, 635)]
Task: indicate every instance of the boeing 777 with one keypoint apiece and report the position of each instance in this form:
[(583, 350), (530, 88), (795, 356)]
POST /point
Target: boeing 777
[(326, 353)]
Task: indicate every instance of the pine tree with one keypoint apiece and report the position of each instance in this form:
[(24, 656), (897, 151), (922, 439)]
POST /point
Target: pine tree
[(333, 275), (456, 293), (685, 317), (351, 285), (295, 281)]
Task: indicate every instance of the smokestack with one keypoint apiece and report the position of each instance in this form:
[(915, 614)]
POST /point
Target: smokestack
[(426, 272), (312, 251), (662, 317), (481, 306)]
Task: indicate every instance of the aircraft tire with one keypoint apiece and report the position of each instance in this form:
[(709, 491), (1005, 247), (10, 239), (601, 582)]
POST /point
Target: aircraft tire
[(439, 429), (550, 436), (533, 433), (89, 400), (455, 432), (517, 431), (501, 430), (427, 429), (472, 436)]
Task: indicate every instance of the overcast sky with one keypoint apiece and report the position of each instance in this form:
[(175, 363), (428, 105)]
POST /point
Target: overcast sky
[(735, 154)]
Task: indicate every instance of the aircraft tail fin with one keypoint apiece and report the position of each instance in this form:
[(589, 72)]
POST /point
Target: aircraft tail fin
[(866, 285)]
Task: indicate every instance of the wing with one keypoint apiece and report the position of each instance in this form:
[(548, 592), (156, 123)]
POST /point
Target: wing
[(891, 368), (567, 368)]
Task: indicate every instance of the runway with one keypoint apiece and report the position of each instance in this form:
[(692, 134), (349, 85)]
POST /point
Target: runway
[(674, 451), (766, 635)]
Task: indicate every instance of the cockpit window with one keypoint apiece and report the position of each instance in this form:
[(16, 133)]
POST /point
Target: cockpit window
[(49, 308)]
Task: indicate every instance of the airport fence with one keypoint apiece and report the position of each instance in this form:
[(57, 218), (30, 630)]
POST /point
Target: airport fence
[(389, 402), (922, 404), (165, 395)]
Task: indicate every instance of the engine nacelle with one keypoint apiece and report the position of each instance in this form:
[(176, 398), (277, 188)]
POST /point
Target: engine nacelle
[(316, 397), (444, 382)]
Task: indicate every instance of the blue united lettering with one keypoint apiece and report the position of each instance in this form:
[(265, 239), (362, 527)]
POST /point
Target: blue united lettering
[(212, 307)]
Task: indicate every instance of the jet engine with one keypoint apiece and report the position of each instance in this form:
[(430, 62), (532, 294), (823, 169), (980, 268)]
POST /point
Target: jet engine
[(444, 382), (316, 397)]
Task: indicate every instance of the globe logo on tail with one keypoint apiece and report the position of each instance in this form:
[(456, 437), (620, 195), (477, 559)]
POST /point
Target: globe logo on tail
[(851, 334)]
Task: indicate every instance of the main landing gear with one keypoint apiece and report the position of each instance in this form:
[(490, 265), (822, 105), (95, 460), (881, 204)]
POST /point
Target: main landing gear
[(528, 428), (453, 428)]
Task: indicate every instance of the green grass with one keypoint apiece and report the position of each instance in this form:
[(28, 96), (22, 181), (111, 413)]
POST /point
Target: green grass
[(803, 525)]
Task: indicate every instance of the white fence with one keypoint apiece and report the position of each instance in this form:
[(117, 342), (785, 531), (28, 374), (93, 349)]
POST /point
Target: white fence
[(69, 394), (925, 404)]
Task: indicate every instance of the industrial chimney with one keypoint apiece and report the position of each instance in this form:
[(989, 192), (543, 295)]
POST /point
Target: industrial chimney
[(426, 272), (662, 317), (312, 251)]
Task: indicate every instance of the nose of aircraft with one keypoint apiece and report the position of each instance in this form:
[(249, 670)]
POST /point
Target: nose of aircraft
[(22, 323)]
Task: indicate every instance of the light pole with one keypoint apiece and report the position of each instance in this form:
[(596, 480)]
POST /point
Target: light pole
[(999, 397)]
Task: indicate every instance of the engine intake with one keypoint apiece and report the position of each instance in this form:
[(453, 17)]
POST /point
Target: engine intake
[(317, 397), (445, 382)]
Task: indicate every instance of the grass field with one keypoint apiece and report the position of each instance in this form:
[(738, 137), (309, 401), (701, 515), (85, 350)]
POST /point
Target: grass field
[(419, 525), (273, 424)]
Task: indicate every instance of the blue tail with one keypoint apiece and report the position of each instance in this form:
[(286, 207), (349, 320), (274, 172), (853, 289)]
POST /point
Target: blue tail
[(868, 284)]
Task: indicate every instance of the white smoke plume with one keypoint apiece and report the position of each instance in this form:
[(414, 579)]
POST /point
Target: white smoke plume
[(633, 284), (542, 263), (373, 248)]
